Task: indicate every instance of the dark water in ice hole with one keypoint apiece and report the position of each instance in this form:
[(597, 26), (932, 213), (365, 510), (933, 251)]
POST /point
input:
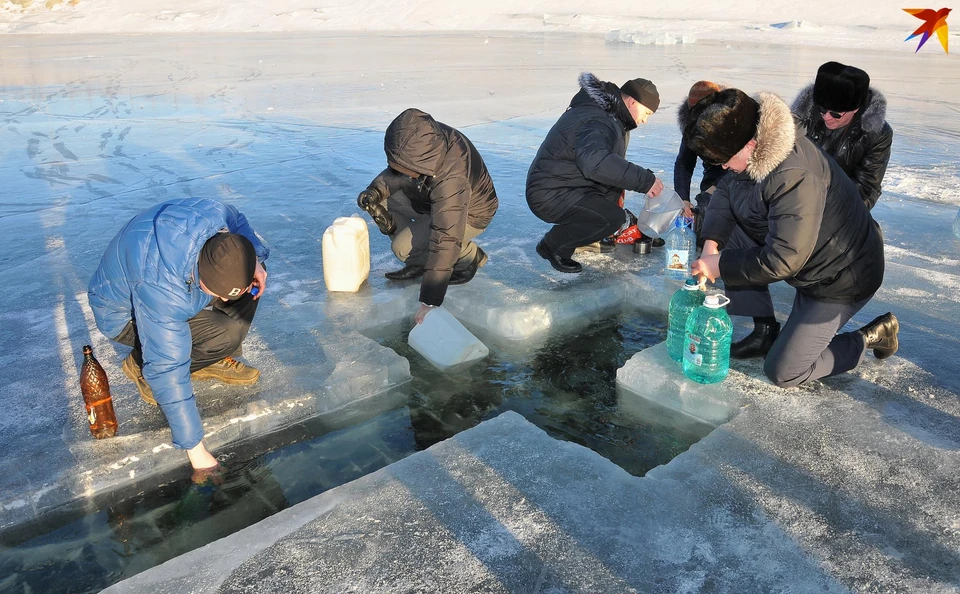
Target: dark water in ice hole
[(567, 388)]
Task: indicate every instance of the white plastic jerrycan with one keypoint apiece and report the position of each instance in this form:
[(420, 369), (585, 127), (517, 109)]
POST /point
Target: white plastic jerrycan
[(346, 254), (444, 342)]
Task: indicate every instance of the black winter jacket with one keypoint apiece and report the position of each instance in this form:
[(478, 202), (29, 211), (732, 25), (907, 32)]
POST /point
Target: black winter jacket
[(686, 162), (583, 153), (862, 148), (804, 213), (454, 188)]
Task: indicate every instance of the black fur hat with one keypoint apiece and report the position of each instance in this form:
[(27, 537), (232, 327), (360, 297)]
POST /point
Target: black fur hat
[(840, 88), (721, 124)]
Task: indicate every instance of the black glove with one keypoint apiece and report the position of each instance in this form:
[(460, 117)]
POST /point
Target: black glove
[(372, 202)]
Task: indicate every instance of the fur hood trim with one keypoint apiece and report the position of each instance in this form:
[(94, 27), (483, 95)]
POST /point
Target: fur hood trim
[(599, 91), (872, 117), (776, 136)]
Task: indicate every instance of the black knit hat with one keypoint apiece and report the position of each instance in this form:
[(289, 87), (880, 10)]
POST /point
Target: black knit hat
[(643, 91), (721, 124), (840, 88), (227, 262)]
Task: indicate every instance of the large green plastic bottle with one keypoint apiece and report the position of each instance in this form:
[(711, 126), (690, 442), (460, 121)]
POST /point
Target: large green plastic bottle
[(683, 302), (706, 358)]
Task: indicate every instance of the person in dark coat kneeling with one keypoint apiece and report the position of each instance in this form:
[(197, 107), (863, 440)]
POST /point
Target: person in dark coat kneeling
[(846, 117), (577, 179), (439, 196), (788, 213)]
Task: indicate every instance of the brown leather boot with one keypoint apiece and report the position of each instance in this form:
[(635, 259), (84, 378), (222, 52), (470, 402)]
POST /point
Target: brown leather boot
[(133, 371), (881, 335)]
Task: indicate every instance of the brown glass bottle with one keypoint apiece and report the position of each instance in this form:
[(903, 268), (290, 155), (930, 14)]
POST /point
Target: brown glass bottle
[(96, 396)]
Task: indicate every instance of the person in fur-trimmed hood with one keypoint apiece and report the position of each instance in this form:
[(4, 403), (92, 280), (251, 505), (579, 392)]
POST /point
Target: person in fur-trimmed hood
[(579, 174), (788, 213), (846, 117)]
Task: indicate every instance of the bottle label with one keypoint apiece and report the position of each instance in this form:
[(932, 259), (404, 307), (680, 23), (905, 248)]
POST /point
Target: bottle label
[(691, 353), (92, 416), (677, 259)]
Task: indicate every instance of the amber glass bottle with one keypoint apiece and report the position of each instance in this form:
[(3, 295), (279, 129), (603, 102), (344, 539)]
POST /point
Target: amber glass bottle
[(96, 396)]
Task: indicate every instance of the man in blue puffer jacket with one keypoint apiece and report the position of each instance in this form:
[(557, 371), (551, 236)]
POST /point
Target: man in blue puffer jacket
[(180, 283)]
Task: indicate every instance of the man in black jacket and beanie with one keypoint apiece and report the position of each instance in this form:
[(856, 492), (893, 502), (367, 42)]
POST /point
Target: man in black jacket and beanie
[(579, 174), (846, 117), (788, 213), (439, 196)]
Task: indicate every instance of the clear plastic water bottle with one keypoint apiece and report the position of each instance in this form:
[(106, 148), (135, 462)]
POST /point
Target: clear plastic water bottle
[(679, 249), (706, 358), (956, 226), (683, 302)]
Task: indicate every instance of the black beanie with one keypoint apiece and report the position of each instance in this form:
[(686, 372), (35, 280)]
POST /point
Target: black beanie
[(840, 88), (227, 262), (721, 124), (643, 91)]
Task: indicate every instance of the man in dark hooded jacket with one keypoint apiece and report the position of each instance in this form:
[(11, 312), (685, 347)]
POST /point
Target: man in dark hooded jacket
[(846, 117), (439, 196), (579, 174), (789, 213)]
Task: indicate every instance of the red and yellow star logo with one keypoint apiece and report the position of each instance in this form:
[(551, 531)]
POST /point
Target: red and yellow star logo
[(934, 21)]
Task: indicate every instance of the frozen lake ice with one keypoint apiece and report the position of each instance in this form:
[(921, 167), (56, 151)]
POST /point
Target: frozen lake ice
[(288, 127)]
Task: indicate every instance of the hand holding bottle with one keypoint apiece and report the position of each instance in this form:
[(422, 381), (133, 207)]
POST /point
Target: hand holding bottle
[(707, 267)]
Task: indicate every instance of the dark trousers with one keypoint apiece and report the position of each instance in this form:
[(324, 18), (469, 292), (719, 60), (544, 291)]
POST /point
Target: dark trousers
[(411, 241), (753, 301), (216, 332), (589, 220), (809, 347)]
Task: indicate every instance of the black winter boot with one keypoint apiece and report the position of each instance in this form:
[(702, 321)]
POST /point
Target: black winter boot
[(881, 335), (406, 273), (558, 263), (757, 343), (460, 277)]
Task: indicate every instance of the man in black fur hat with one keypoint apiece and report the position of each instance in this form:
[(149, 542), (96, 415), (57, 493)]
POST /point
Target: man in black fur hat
[(788, 212), (846, 117), (579, 174)]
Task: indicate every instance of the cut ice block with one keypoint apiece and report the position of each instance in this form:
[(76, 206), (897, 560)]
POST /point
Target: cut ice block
[(444, 342), (652, 375), (516, 315), (346, 254)]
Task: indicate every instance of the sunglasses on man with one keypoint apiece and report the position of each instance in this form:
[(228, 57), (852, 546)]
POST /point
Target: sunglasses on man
[(833, 114)]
